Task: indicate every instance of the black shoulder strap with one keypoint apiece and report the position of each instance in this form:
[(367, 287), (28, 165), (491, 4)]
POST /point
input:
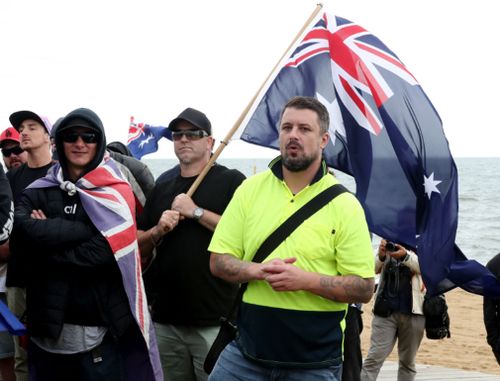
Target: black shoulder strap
[(287, 227)]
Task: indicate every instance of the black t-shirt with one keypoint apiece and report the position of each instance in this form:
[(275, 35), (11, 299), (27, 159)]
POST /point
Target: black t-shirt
[(19, 179), (186, 292), (23, 176)]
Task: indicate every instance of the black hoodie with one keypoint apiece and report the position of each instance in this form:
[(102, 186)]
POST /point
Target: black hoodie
[(81, 117), (73, 274)]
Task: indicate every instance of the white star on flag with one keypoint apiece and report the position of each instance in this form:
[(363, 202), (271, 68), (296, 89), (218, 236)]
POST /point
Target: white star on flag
[(431, 185)]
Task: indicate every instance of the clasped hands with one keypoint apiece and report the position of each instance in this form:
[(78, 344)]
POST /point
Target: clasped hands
[(283, 275)]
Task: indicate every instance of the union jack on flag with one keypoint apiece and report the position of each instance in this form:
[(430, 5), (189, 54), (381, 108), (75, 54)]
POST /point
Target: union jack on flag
[(109, 202), (385, 132), (356, 60)]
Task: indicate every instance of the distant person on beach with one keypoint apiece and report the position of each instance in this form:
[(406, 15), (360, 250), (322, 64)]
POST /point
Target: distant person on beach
[(491, 312), (189, 300), (13, 155), (34, 135), (291, 319), (397, 312), (86, 313)]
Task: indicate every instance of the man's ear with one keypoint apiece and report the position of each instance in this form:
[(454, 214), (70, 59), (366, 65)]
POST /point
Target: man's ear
[(211, 143), (324, 140)]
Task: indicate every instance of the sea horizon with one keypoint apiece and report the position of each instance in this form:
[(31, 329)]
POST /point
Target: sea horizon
[(479, 216)]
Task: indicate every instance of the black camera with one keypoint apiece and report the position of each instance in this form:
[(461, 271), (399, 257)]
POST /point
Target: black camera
[(390, 246)]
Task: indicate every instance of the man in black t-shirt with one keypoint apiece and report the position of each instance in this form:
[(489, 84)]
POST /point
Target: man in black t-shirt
[(34, 132), (188, 299)]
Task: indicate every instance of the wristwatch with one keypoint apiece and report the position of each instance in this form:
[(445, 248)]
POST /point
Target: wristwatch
[(198, 213)]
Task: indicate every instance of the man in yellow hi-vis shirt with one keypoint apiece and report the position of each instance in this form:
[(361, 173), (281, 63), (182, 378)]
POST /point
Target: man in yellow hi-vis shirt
[(291, 320)]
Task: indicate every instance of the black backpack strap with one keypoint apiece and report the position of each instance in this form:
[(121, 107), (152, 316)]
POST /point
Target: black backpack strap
[(287, 228), (293, 222)]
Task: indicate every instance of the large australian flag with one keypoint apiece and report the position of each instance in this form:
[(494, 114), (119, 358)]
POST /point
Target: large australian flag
[(385, 132), (143, 138)]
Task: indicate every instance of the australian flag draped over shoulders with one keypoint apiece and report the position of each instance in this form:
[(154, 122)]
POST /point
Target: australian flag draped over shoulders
[(385, 132), (143, 138)]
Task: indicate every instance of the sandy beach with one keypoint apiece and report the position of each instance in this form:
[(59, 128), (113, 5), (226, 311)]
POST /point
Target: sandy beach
[(466, 349)]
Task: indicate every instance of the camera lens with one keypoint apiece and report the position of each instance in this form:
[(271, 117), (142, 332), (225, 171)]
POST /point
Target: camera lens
[(389, 246)]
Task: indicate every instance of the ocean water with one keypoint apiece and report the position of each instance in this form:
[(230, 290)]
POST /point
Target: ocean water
[(478, 233)]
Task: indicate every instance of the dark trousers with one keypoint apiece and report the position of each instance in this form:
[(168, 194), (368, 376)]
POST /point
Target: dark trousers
[(103, 363), (497, 356), (353, 360)]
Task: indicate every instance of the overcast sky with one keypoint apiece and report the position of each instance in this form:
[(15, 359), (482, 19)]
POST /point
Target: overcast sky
[(152, 59)]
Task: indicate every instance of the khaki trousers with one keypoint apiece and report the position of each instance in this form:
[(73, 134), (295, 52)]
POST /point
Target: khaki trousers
[(408, 330), (183, 350)]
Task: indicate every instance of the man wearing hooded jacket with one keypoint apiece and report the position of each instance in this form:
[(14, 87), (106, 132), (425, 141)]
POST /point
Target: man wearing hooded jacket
[(81, 317)]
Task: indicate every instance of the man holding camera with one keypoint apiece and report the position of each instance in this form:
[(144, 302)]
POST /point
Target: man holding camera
[(397, 311)]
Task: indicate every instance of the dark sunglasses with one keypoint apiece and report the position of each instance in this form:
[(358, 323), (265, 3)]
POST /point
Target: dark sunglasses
[(14, 150), (87, 137), (189, 134)]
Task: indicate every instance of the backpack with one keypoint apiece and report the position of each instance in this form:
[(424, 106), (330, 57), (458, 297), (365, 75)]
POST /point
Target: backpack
[(437, 320)]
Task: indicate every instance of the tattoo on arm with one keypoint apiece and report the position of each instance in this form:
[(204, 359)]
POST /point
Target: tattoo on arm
[(351, 288), (230, 267)]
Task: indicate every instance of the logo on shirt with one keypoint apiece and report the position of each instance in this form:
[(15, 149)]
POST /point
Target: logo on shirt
[(70, 209)]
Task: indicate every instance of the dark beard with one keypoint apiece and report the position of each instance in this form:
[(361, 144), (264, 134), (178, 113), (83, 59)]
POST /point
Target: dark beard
[(297, 164)]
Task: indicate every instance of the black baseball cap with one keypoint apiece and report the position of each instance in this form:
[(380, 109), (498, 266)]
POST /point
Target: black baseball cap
[(195, 117), (17, 118)]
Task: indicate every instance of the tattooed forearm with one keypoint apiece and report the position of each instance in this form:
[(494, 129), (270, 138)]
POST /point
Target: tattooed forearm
[(228, 265), (229, 268), (348, 289)]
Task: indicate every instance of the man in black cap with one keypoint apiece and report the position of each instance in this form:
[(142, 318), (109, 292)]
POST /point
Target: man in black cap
[(189, 301), (34, 131)]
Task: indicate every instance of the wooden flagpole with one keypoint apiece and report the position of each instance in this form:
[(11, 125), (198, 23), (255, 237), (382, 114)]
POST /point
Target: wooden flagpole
[(236, 125)]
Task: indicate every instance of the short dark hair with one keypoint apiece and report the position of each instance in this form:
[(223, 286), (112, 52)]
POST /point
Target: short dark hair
[(313, 104)]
